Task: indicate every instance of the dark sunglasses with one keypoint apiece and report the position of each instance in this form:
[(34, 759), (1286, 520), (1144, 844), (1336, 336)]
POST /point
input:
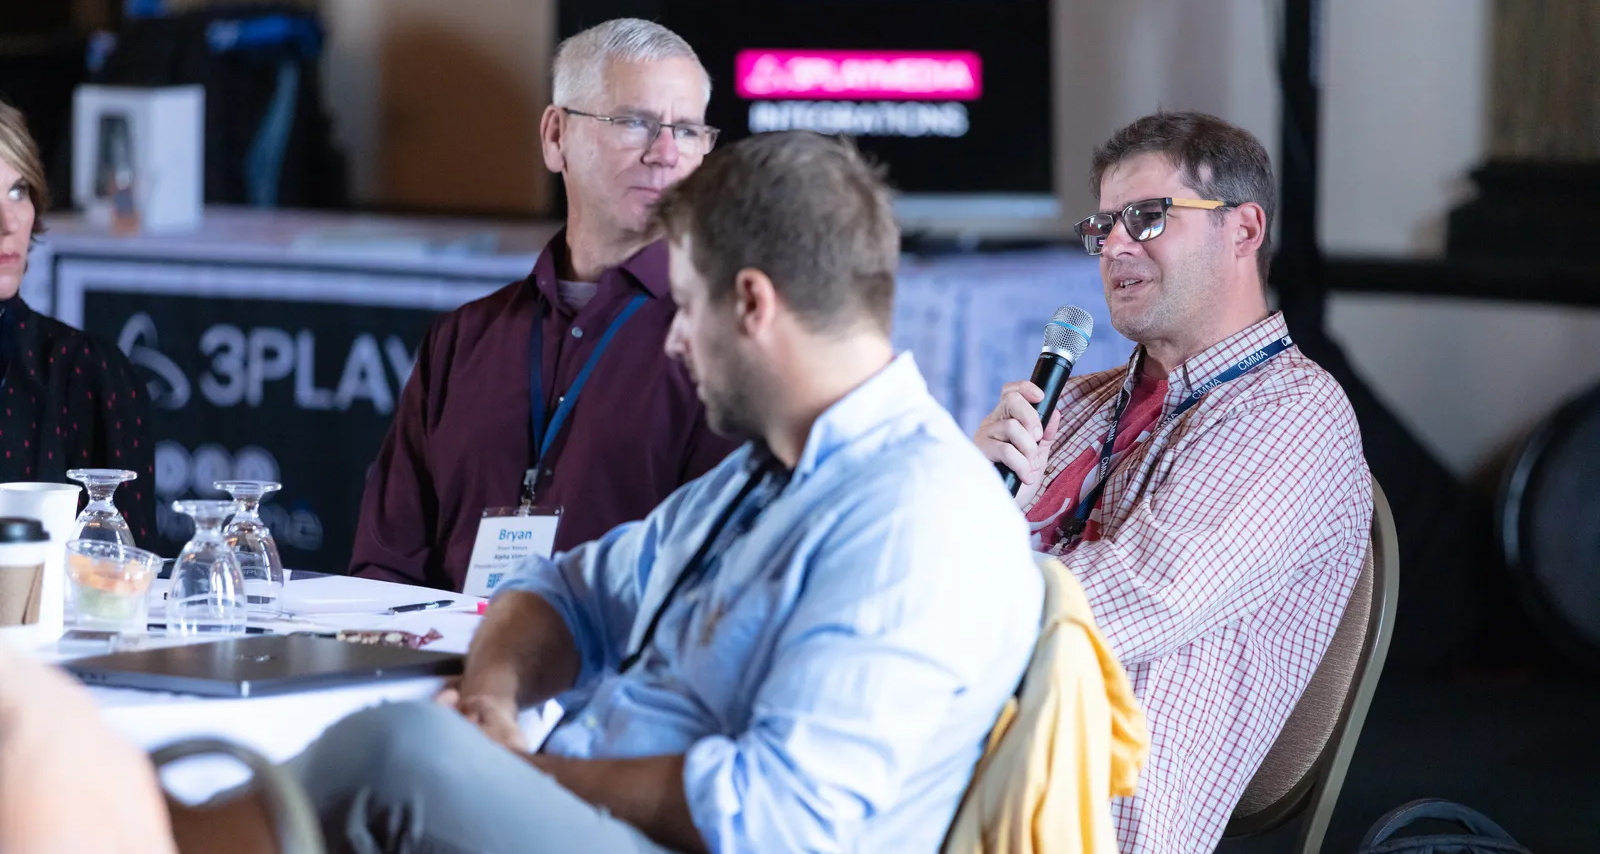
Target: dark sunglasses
[(1145, 220)]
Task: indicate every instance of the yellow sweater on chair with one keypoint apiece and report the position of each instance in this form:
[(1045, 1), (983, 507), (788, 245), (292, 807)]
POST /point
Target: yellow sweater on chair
[(1072, 739)]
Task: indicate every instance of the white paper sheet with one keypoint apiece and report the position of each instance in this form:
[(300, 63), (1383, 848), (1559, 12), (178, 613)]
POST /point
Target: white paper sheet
[(338, 594)]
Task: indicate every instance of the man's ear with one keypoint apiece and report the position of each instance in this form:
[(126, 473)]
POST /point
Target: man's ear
[(552, 133), (755, 300), (1251, 230)]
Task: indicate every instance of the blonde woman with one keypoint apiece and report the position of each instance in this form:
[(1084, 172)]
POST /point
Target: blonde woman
[(67, 400)]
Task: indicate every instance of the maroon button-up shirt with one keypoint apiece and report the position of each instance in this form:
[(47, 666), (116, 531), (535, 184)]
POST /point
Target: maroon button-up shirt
[(462, 435)]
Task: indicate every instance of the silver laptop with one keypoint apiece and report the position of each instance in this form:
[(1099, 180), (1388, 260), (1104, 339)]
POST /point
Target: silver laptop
[(258, 666)]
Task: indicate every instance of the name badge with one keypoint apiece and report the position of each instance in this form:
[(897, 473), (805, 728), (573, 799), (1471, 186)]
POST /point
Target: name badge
[(507, 536)]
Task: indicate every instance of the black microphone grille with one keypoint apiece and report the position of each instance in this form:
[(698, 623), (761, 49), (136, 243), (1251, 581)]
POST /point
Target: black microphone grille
[(1067, 333)]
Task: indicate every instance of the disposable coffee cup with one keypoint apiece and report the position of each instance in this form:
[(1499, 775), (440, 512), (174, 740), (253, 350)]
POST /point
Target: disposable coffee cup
[(24, 545)]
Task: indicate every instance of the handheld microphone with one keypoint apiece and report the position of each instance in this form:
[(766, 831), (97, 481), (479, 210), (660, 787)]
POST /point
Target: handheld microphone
[(1066, 336)]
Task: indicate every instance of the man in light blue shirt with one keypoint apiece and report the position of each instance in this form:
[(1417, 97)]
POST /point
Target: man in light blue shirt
[(804, 649)]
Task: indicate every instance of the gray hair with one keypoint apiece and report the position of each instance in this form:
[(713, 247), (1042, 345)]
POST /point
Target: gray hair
[(581, 60)]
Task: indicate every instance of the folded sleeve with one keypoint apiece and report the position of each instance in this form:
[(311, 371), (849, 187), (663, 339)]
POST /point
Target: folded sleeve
[(597, 587)]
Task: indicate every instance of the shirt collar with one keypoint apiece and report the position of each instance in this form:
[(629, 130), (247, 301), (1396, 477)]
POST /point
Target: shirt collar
[(1225, 353), (1214, 359), (12, 312), (885, 396), (646, 269)]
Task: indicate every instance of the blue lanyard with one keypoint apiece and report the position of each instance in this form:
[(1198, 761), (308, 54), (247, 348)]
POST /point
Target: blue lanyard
[(545, 432), (1079, 520)]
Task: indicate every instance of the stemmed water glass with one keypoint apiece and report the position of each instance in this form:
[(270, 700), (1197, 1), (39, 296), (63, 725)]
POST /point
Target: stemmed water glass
[(100, 519), (207, 595), (252, 543)]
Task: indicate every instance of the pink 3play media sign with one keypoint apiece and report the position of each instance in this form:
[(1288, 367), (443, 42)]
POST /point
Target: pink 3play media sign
[(858, 74)]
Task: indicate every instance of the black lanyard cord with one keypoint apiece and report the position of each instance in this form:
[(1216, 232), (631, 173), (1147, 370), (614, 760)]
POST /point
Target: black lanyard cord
[(693, 568)]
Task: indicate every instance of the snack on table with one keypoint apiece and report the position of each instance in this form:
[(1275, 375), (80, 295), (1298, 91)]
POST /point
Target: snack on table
[(388, 637), (109, 581)]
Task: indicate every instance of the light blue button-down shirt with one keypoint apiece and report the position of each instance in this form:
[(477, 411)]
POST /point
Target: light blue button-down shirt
[(832, 675)]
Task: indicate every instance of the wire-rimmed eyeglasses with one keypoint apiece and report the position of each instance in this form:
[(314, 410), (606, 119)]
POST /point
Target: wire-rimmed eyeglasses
[(641, 131)]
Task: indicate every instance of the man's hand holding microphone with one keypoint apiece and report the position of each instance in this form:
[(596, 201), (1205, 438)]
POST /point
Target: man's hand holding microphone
[(1016, 436)]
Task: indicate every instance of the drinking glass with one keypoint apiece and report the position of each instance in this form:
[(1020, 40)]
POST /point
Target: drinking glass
[(207, 595), (111, 583), (252, 543), (100, 519)]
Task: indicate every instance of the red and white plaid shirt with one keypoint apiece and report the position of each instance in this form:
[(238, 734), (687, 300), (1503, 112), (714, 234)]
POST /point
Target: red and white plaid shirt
[(1218, 564)]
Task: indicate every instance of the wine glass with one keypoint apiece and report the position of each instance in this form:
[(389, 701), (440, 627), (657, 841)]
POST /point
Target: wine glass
[(207, 595), (100, 519), (252, 543)]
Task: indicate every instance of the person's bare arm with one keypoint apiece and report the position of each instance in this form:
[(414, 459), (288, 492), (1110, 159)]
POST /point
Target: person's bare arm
[(60, 765), (523, 654), (646, 792), (558, 623)]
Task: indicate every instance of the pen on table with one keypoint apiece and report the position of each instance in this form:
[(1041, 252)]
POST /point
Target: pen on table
[(249, 630), (423, 606)]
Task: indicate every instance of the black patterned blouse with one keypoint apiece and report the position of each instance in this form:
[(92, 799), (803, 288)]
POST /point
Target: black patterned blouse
[(67, 401)]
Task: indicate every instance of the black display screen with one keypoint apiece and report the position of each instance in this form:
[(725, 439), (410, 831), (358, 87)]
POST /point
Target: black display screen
[(953, 95)]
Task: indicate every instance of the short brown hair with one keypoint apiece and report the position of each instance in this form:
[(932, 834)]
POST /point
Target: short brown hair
[(1219, 160), (808, 210), (18, 149)]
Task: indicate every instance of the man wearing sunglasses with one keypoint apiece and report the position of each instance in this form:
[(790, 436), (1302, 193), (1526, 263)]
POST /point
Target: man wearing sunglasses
[(553, 393), (1212, 497)]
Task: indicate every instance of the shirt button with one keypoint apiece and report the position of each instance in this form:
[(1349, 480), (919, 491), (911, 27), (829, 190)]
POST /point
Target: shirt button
[(590, 721), (577, 331), (548, 472)]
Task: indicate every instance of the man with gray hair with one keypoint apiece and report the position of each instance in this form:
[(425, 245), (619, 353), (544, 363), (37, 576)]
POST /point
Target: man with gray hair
[(553, 392)]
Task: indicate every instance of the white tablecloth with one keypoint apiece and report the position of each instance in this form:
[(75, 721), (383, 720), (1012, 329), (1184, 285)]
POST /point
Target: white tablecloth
[(283, 725)]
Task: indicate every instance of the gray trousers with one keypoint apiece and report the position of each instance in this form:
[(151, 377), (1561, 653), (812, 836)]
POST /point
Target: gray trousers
[(416, 778)]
